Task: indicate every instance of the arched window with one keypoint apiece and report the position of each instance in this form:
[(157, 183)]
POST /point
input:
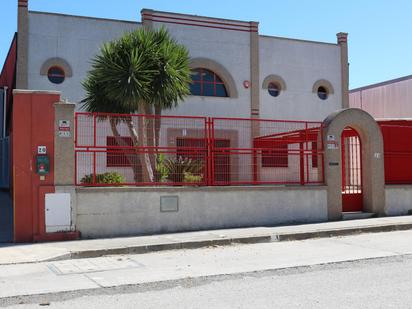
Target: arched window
[(56, 75), (322, 93), (274, 84), (323, 89), (207, 83), (274, 89)]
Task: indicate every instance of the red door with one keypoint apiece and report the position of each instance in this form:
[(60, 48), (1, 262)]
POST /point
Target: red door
[(352, 195)]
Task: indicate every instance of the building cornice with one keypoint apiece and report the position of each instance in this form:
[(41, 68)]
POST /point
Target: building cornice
[(298, 40), (198, 21), (195, 17), (85, 17)]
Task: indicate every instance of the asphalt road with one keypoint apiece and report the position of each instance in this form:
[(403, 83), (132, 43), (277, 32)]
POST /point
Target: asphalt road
[(379, 283), (360, 271)]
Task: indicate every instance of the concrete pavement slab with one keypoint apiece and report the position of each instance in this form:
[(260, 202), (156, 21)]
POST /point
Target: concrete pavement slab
[(31, 253), (235, 259), (31, 279), (403, 245)]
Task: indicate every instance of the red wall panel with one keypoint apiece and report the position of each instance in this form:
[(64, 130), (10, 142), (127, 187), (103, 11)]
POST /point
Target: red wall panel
[(33, 120), (397, 138)]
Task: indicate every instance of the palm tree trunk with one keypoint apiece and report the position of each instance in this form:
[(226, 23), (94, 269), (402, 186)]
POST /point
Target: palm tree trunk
[(147, 171), (133, 158), (150, 135), (158, 114)]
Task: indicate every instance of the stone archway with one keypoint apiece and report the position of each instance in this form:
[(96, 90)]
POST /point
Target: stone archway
[(372, 160)]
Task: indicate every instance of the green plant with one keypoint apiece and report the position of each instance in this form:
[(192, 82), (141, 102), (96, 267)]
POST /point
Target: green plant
[(176, 168), (105, 178), (190, 178), (161, 170)]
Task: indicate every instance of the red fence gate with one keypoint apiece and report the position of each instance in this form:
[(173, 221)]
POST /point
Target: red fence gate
[(352, 195), (114, 149)]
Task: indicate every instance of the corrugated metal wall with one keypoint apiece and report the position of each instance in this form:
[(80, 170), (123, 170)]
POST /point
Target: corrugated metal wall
[(386, 100)]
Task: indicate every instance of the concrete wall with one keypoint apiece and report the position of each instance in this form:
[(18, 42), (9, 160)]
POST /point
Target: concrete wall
[(300, 64), (107, 212), (230, 49), (74, 39), (398, 199)]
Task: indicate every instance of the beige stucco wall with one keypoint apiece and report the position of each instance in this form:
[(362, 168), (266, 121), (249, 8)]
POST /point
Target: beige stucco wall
[(300, 64), (107, 212), (74, 39), (230, 49), (398, 200), (372, 160), (64, 166)]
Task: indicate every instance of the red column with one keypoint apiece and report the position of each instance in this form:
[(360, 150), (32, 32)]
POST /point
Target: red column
[(33, 125)]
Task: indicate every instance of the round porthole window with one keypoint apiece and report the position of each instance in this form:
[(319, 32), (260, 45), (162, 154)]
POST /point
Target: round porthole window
[(273, 89), (322, 93), (56, 75)]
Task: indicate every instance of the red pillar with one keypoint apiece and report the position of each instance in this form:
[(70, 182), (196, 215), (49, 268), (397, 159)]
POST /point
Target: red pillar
[(33, 125)]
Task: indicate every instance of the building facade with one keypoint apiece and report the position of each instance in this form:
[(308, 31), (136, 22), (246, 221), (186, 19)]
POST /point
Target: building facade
[(257, 76), (240, 78)]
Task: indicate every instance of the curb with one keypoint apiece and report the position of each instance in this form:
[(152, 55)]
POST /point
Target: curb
[(241, 240), (278, 237), (342, 232), (161, 247)]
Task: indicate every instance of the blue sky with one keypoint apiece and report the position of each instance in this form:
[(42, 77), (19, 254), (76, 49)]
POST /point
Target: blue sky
[(380, 41)]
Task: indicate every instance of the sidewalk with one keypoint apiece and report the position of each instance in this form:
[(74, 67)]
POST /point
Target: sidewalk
[(32, 253)]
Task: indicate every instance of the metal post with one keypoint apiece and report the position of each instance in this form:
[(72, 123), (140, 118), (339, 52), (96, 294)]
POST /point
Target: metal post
[(255, 166), (94, 130), (302, 164), (212, 152), (94, 168), (208, 151)]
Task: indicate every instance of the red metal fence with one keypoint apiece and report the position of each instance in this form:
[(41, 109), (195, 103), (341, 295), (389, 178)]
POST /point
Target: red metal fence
[(114, 149)]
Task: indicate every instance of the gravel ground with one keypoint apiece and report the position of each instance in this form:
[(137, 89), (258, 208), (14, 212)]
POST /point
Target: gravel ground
[(375, 283)]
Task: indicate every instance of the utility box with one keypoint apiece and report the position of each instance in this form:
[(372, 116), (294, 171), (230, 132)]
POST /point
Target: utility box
[(57, 212), (42, 165)]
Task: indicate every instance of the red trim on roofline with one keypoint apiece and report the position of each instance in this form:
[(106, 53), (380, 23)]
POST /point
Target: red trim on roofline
[(199, 23), (197, 20)]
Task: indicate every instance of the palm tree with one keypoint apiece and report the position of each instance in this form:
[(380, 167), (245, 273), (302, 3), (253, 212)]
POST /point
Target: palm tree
[(144, 71)]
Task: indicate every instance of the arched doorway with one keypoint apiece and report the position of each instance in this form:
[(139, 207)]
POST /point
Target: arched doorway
[(353, 163), (352, 188)]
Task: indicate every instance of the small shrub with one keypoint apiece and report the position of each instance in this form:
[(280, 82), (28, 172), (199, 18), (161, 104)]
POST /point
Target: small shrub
[(176, 168), (161, 172), (190, 178), (105, 178)]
